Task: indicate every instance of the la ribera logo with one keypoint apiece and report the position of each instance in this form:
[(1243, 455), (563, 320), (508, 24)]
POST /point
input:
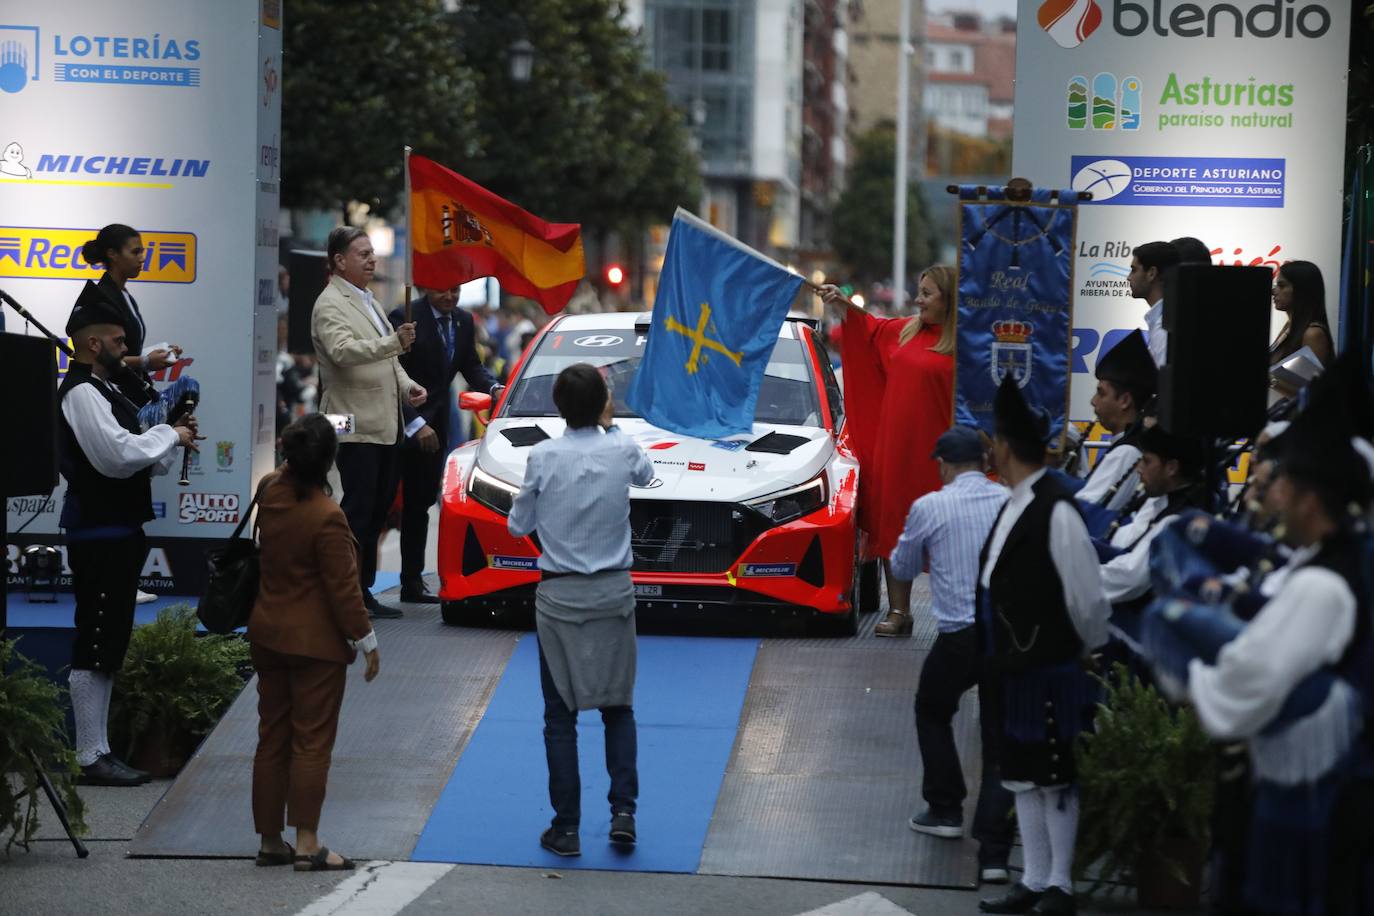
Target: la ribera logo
[(18, 57), (1105, 103), (1069, 22)]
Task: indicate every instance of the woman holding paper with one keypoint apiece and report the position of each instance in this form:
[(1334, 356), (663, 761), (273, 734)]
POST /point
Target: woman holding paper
[(1300, 294), (899, 396)]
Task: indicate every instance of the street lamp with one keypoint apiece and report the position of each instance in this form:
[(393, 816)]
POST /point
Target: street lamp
[(521, 55)]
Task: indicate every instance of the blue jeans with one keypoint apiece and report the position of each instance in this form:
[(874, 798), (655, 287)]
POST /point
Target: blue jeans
[(560, 746)]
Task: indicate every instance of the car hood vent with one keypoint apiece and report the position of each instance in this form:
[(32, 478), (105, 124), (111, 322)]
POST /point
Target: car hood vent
[(521, 436), (777, 444)]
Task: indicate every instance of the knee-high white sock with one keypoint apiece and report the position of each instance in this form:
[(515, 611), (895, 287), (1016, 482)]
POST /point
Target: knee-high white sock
[(89, 702), (1035, 839), (106, 684), (1061, 819)]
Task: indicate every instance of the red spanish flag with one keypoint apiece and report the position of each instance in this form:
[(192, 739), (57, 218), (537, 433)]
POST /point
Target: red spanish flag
[(461, 231)]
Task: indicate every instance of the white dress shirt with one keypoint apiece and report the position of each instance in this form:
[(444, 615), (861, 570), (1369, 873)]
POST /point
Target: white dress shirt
[(369, 306), (1127, 576), (112, 449), (1117, 464), (1158, 337), (1307, 625), (1074, 559)]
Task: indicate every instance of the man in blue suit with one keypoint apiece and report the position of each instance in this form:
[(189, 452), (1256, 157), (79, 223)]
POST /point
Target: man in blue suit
[(445, 344)]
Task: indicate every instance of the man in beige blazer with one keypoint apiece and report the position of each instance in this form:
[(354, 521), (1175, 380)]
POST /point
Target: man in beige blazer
[(361, 376)]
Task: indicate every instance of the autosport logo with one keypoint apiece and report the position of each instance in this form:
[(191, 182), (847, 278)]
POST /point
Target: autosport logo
[(1071, 22), (42, 253), (217, 508)]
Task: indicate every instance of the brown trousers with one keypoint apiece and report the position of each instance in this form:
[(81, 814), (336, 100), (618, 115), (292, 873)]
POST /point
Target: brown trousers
[(298, 718)]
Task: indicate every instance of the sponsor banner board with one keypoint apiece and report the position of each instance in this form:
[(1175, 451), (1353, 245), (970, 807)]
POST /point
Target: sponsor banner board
[(179, 110), (1222, 121)]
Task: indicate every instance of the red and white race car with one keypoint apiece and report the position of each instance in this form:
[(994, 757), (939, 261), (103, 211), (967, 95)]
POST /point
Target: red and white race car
[(761, 521)]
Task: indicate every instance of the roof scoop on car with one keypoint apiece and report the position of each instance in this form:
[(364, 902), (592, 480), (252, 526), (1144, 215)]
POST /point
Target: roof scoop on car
[(523, 436), (777, 444)]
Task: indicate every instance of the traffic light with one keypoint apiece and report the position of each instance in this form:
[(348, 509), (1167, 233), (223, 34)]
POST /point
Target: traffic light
[(615, 275)]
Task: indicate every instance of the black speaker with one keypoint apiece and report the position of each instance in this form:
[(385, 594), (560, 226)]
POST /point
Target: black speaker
[(31, 434), (1215, 381), (309, 273)]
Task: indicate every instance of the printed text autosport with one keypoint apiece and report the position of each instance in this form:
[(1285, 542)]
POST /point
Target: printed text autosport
[(208, 507)]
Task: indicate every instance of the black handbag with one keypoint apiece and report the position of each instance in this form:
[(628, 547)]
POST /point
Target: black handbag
[(231, 581)]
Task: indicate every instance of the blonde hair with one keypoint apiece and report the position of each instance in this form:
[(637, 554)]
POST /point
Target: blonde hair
[(943, 276)]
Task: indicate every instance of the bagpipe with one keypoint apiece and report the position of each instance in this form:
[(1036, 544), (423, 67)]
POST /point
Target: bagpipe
[(171, 405)]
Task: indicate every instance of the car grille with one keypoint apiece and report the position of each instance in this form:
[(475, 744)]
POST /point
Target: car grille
[(689, 537)]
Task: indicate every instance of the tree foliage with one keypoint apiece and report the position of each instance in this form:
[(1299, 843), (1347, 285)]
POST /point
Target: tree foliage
[(360, 80), (592, 137), (861, 223)]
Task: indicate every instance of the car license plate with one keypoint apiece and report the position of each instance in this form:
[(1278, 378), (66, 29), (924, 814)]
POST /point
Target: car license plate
[(648, 591)]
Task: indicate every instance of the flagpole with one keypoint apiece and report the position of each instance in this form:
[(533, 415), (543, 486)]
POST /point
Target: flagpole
[(410, 239)]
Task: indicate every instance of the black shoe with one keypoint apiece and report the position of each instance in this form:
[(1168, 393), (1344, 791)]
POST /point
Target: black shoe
[(561, 842), (143, 777), (1020, 899), (418, 594), (1057, 902), (105, 772), (623, 829), (378, 611), (949, 827)]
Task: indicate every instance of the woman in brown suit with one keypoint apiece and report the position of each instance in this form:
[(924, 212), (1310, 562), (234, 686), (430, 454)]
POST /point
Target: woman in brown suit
[(307, 625)]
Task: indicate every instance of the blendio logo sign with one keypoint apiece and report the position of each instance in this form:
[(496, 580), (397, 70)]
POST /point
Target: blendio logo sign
[(1071, 22), (1221, 20), (208, 507)]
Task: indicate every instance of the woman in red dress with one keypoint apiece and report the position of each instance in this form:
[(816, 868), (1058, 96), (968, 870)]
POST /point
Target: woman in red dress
[(899, 396)]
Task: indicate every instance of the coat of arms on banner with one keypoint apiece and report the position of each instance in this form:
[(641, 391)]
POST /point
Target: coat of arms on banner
[(224, 454), (1011, 351)]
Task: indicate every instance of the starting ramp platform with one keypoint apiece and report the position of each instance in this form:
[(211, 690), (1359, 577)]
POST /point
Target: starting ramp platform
[(764, 757)]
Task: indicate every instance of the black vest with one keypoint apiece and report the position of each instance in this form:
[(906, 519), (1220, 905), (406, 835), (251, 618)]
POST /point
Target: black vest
[(94, 500), (1130, 437), (1345, 555), (1029, 625)]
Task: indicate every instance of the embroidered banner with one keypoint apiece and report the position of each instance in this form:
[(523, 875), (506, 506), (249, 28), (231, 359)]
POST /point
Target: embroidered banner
[(1015, 307)]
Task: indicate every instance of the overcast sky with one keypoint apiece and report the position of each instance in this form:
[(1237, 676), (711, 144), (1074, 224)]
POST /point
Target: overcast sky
[(986, 7)]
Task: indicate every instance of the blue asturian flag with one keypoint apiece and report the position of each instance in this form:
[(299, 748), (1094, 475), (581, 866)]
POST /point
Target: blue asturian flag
[(715, 323)]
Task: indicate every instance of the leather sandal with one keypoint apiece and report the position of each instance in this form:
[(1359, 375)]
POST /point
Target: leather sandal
[(896, 623), (267, 859), (320, 862)]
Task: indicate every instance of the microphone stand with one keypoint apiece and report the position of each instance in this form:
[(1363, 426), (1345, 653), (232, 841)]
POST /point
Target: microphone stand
[(24, 313), (59, 808)]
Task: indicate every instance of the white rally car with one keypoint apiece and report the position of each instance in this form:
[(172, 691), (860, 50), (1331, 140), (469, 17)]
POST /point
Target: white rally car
[(762, 521)]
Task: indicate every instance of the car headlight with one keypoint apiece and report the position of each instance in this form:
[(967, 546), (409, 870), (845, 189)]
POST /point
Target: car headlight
[(791, 504), (492, 492)]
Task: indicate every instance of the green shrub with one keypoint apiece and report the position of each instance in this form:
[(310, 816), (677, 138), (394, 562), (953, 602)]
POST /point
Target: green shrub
[(32, 727), (1146, 772), (174, 681)]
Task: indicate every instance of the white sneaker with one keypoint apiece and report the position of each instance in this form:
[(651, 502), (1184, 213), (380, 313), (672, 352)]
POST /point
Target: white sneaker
[(143, 597)]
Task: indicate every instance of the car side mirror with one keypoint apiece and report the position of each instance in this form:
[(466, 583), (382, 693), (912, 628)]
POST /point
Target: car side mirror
[(474, 401)]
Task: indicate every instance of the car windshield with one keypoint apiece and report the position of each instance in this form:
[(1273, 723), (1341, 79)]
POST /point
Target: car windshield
[(786, 397)]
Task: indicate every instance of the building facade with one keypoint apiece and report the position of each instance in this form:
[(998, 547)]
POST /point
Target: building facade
[(970, 74), (826, 79), (736, 67)]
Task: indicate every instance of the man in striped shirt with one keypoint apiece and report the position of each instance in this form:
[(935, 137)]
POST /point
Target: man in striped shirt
[(945, 532)]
